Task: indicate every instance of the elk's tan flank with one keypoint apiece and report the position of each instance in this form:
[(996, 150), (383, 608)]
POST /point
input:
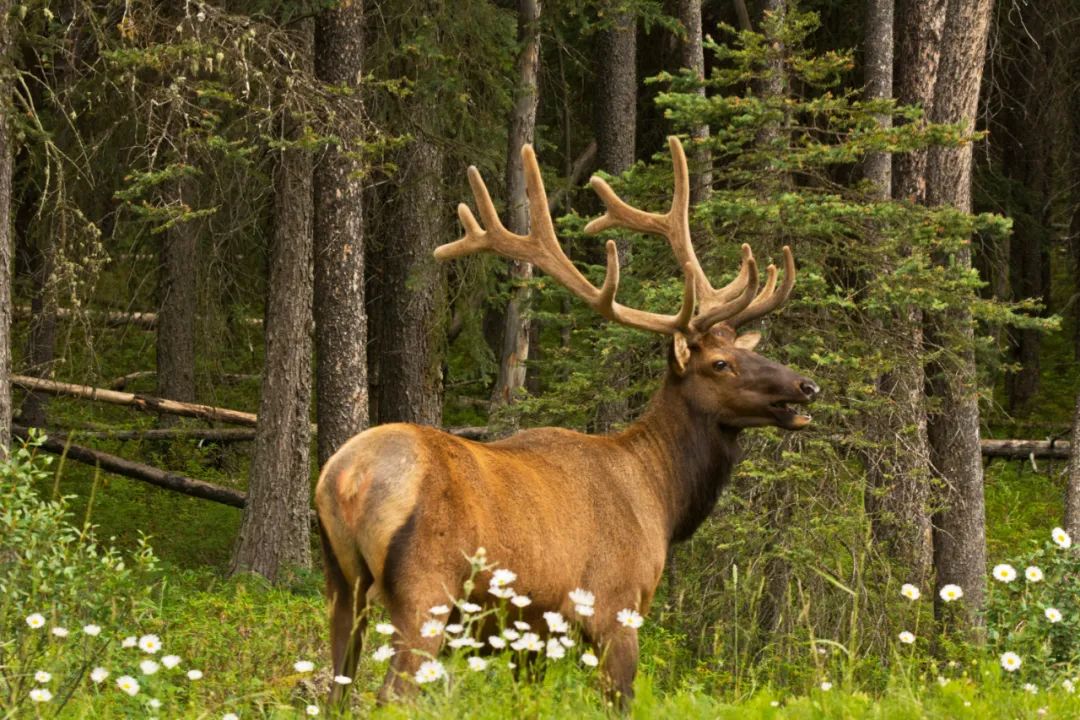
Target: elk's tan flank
[(402, 506)]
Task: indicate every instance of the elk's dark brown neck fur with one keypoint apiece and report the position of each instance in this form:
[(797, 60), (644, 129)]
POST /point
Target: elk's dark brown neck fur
[(691, 457)]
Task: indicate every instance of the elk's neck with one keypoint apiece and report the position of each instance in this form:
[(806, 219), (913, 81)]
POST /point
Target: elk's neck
[(690, 457)]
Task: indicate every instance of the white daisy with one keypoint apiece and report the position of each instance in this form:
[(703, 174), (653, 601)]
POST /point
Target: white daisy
[(530, 642), (40, 695), (99, 674), (42, 677), (1004, 572), (430, 671), (148, 667), (522, 625), (629, 618), (587, 658), (1061, 538), (384, 653), (1052, 614), (1033, 689), (60, 632), (431, 628), (1033, 574), (460, 642), (471, 607), (511, 634), (477, 664), (129, 642), (35, 620), (128, 684), (454, 629), (555, 650), (170, 661), (91, 630), (149, 644), (910, 591), (1069, 686), (312, 710), (582, 597), (584, 610), (496, 642), (907, 638), (566, 641), (826, 685), (440, 610), (1011, 661), (303, 666), (385, 629), (230, 716), (503, 593), (951, 592), (342, 679), (521, 601), (194, 674), (154, 703), (502, 577), (556, 623)]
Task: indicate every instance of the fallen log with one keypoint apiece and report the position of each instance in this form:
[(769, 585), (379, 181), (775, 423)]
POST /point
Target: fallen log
[(140, 402), (225, 435), (58, 445), (1024, 449), (115, 318)]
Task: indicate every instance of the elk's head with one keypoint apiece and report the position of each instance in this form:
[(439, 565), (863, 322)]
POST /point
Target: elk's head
[(722, 378), (718, 371)]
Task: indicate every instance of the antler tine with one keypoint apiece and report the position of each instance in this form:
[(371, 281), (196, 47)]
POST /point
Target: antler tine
[(770, 298), (541, 247)]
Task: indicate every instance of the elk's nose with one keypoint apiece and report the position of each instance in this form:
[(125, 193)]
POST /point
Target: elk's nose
[(809, 389)]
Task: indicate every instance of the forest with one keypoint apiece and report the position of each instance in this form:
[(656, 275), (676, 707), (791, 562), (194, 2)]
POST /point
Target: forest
[(219, 225)]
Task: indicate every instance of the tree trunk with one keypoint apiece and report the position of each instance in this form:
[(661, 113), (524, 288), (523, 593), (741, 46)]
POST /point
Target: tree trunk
[(340, 314), (178, 299), (275, 531), (515, 336), (918, 53), (408, 323), (41, 343), (960, 527), (5, 228), (1072, 479), (692, 57), (898, 466), (616, 130)]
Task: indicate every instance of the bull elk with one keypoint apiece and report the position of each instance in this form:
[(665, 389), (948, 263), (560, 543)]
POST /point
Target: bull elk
[(401, 506)]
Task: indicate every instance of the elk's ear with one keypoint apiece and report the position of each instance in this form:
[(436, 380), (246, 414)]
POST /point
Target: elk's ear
[(748, 341), (681, 353)]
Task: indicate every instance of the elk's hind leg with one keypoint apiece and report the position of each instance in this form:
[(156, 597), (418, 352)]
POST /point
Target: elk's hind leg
[(619, 652), (348, 619)]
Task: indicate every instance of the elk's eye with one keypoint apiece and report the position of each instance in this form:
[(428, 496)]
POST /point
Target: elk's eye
[(720, 365)]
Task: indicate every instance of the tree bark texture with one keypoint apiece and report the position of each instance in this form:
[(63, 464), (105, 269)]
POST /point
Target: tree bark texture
[(178, 300), (898, 475), (514, 352), (1072, 480), (341, 331), (616, 135), (960, 527), (410, 309), (5, 228), (275, 531), (692, 57), (918, 53)]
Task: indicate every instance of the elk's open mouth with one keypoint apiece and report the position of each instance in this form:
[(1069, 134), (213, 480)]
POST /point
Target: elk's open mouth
[(788, 415)]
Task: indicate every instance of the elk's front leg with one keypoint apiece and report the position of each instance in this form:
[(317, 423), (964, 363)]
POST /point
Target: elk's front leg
[(619, 652)]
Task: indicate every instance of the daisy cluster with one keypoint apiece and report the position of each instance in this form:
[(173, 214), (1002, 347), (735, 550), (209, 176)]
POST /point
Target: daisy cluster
[(153, 661), (1005, 574), (518, 638)]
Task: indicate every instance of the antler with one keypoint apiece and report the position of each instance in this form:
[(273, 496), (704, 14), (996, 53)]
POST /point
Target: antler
[(541, 248), (736, 303)]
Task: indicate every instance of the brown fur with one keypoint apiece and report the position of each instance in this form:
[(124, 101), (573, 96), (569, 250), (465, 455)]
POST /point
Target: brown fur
[(401, 506)]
